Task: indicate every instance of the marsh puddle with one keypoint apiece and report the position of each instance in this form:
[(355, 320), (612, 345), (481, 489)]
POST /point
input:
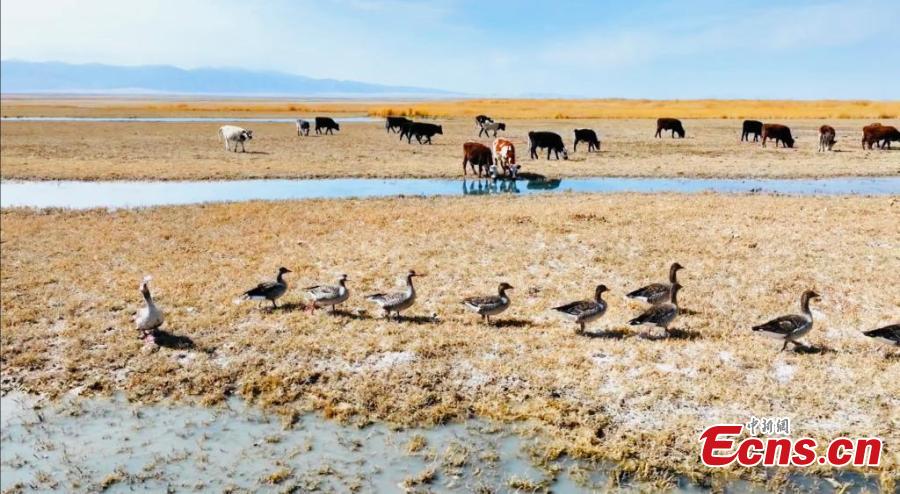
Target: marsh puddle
[(82, 194), (112, 445), (181, 119)]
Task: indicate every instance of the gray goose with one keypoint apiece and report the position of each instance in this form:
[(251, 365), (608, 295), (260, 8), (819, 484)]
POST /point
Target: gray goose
[(660, 315), (889, 335), (793, 326), (585, 311), (269, 290), (657, 293), (490, 305), (329, 295), (397, 301), (149, 318)]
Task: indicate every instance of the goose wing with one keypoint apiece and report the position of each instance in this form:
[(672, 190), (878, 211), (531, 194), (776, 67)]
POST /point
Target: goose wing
[(578, 308), (658, 314), (386, 299), (323, 292), (262, 289), (783, 325), (890, 333), (488, 302), (654, 292)]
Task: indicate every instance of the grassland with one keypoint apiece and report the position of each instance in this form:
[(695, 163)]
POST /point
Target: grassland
[(503, 108), (69, 285), (156, 151)]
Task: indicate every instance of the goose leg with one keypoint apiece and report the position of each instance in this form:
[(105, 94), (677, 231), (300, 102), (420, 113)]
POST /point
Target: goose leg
[(786, 341), (274, 305), (580, 328)]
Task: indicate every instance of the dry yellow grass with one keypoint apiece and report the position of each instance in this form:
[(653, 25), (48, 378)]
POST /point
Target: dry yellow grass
[(69, 284), (154, 151), (504, 108)]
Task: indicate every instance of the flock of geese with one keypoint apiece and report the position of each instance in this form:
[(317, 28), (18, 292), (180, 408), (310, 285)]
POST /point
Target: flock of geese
[(661, 297)]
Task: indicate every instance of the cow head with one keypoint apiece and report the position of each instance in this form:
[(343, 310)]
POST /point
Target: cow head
[(680, 132), (501, 126), (789, 141), (246, 135), (565, 153), (513, 171), (440, 130), (337, 126)]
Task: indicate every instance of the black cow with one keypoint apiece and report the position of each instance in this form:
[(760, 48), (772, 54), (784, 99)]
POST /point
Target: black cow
[(751, 127), (480, 120), (778, 133), (588, 136), (395, 123), (672, 124), (326, 123), (302, 127), (550, 140), (419, 130)]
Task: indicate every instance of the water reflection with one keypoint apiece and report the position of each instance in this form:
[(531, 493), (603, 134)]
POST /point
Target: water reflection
[(488, 186)]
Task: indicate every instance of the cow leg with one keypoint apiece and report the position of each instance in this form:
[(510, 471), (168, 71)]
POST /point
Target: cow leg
[(575, 146), (242, 147)]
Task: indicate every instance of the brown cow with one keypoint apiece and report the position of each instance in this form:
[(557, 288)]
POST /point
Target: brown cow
[(882, 135), (780, 133), (475, 153), (868, 129), (672, 124), (826, 138)]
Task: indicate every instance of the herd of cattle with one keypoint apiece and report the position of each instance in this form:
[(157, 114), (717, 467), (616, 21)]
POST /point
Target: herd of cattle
[(502, 154)]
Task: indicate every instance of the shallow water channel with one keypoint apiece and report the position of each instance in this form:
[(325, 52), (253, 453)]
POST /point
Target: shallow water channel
[(97, 444), (84, 194)]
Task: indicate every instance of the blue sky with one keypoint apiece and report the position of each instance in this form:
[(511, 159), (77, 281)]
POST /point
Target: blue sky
[(638, 49)]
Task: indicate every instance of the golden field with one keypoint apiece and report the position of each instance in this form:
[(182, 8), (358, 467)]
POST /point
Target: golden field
[(502, 108), (160, 151), (69, 285)]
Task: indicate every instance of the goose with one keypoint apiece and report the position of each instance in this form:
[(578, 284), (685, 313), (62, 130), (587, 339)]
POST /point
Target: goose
[(269, 290), (490, 305), (889, 335), (149, 318), (397, 301), (585, 311), (332, 295), (657, 293), (790, 327), (660, 315)]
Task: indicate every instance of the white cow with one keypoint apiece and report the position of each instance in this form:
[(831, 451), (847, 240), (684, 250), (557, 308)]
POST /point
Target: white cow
[(233, 135)]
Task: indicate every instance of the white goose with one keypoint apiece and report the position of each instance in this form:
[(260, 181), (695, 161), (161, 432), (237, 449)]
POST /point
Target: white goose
[(149, 318)]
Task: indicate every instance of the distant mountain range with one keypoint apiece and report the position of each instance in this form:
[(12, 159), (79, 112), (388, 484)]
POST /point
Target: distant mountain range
[(57, 77)]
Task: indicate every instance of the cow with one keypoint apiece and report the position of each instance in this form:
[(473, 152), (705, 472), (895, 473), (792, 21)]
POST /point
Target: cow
[(868, 129), (302, 127), (480, 120), (588, 136), (672, 124), (550, 140), (779, 133), (504, 153), (326, 123), (475, 153), (233, 135), (419, 130), (492, 126), (881, 135), (826, 138), (751, 127), (395, 123)]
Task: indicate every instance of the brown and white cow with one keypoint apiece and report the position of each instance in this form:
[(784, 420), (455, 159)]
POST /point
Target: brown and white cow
[(505, 156)]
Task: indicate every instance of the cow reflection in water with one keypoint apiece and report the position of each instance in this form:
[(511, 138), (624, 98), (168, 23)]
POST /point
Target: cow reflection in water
[(489, 186)]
